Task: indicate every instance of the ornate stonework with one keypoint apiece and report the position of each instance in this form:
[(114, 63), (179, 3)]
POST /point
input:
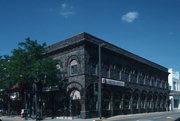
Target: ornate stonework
[(146, 86)]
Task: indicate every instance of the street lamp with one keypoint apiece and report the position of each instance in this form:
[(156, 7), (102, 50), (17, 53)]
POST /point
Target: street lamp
[(99, 83)]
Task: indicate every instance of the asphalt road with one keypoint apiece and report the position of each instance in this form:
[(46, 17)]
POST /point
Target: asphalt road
[(162, 117)]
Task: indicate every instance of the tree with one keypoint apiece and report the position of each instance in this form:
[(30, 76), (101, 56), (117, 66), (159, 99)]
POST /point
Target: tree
[(4, 72), (29, 63)]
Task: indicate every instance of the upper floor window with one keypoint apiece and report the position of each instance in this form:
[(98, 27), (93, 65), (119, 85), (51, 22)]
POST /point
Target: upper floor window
[(133, 77), (125, 75), (151, 81), (147, 80), (163, 84), (58, 67), (166, 85), (73, 67), (154, 82), (114, 73), (174, 85), (158, 82), (141, 79), (105, 71), (92, 69)]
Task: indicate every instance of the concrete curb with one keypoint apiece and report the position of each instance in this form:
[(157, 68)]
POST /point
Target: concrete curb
[(10, 119)]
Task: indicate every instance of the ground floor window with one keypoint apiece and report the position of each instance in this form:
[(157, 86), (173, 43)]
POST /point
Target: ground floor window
[(176, 103), (106, 104)]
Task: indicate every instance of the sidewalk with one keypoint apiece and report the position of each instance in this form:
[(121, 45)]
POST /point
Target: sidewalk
[(17, 118), (140, 115)]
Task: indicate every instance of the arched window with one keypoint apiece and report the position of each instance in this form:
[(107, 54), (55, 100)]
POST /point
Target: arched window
[(73, 67), (58, 66), (105, 71)]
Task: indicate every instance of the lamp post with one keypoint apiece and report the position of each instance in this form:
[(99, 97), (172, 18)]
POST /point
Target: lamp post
[(99, 83)]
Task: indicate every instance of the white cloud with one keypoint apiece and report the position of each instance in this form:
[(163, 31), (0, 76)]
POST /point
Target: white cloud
[(66, 10), (130, 17)]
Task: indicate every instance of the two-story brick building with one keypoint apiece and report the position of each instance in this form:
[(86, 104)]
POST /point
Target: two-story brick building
[(131, 84)]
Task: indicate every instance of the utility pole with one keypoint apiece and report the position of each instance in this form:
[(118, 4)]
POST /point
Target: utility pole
[(99, 83)]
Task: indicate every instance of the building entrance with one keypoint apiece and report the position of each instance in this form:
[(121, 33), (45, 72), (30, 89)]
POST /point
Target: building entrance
[(75, 105)]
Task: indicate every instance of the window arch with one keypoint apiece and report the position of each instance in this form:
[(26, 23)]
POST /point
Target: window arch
[(73, 67), (58, 66)]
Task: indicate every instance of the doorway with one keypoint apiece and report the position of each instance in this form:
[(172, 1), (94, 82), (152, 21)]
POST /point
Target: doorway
[(75, 105)]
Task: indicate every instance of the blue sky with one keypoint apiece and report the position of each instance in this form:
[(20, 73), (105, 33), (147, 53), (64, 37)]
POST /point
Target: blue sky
[(148, 28)]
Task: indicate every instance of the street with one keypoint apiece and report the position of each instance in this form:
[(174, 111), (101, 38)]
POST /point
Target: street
[(155, 116), (169, 116)]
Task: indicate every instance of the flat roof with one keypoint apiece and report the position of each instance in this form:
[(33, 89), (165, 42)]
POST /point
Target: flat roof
[(88, 37)]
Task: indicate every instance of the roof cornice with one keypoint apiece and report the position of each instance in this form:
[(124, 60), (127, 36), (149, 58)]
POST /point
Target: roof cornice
[(92, 39)]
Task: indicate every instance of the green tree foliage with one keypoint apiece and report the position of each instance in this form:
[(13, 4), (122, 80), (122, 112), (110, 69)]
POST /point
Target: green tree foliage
[(4, 71), (29, 63)]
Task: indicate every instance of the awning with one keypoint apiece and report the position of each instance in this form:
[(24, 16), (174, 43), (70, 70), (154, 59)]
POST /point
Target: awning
[(17, 86)]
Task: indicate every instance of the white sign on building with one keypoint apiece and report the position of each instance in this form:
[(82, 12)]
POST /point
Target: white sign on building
[(113, 82)]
